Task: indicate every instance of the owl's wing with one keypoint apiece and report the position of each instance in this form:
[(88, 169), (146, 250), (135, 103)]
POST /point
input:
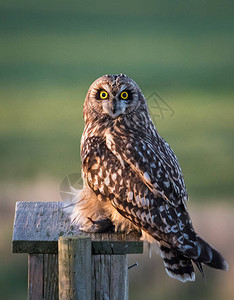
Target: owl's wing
[(154, 161), (114, 180)]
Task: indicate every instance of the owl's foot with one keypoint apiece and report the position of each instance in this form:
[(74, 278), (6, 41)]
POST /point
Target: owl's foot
[(134, 231), (101, 225)]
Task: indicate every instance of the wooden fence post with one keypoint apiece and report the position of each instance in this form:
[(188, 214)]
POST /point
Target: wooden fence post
[(91, 266), (74, 258), (42, 276), (109, 277)]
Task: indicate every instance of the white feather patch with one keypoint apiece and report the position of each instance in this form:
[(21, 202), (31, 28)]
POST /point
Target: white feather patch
[(86, 205)]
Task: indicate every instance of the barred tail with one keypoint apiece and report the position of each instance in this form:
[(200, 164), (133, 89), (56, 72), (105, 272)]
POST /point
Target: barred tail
[(180, 265), (177, 266)]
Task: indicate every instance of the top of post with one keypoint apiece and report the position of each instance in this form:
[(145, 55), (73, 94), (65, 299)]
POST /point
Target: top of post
[(38, 226)]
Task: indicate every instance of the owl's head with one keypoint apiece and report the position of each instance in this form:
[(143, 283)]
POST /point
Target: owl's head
[(113, 96)]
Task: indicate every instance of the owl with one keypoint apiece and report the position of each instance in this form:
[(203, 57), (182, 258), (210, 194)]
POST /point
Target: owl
[(133, 181)]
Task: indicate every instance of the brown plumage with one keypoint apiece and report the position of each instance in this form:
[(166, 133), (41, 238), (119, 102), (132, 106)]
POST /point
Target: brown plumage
[(132, 178)]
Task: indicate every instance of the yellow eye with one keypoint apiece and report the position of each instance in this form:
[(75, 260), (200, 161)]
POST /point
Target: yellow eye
[(103, 95), (124, 95)]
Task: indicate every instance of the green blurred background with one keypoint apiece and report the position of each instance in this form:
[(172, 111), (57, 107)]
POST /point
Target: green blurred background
[(51, 51)]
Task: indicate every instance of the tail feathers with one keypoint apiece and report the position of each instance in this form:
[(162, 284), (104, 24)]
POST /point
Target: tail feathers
[(180, 266), (177, 266), (209, 256)]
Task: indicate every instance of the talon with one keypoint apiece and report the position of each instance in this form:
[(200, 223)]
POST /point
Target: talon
[(101, 225), (91, 220)]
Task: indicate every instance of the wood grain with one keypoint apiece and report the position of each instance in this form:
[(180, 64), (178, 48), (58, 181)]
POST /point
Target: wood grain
[(110, 277), (75, 268), (43, 277), (50, 276), (83, 266), (38, 226), (35, 277)]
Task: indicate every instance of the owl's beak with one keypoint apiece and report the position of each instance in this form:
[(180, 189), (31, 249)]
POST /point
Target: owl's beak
[(113, 105)]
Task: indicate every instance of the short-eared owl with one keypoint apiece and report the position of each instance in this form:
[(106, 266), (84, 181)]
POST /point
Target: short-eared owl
[(132, 178)]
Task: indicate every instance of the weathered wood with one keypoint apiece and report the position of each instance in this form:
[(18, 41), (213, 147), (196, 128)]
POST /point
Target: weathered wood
[(50, 277), (38, 226), (43, 276), (35, 277), (109, 277), (119, 282), (110, 274), (74, 268)]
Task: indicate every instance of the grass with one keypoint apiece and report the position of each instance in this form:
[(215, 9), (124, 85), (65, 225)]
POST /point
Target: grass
[(50, 53), (42, 136)]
